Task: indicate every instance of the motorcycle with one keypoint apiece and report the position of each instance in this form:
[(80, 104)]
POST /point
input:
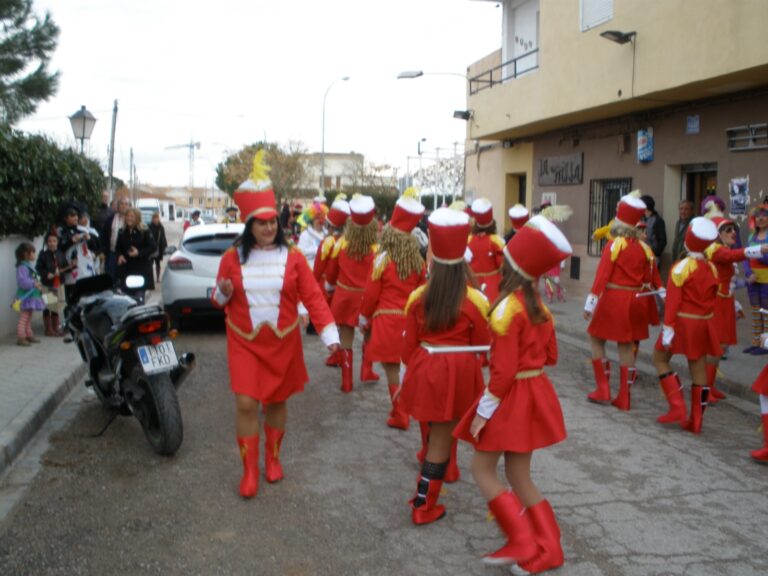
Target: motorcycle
[(132, 364)]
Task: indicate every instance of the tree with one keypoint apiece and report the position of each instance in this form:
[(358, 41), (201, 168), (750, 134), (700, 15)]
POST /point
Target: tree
[(444, 178), (26, 46)]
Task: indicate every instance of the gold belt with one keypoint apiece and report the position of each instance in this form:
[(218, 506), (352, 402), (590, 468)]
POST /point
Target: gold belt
[(695, 316), (350, 288), (391, 312), (613, 286), (529, 373), (721, 295), (487, 273)]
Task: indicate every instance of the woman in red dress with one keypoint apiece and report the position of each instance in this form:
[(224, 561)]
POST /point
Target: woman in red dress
[(440, 384), (485, 246), (613, 308), (689, 326), (347, 272), (397, 271), (519, 412), (761, 387), (260, 282)]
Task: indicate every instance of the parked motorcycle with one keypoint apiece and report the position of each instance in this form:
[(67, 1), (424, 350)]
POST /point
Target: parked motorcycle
[(131, 359)]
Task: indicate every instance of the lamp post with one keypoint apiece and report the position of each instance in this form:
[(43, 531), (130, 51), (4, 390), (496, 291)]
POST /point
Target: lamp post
[(82, 123), (322, 150)]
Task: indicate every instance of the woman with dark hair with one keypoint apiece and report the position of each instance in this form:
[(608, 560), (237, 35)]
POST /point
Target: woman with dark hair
[(260, 283), (440, 386), (485, 246), (157, 230)]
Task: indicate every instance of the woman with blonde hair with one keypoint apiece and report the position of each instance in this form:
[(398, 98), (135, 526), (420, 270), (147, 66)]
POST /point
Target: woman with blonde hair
[(134, 249)]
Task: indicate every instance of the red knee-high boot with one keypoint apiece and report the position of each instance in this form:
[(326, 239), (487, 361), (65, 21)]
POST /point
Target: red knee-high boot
[(602, 370), (249, 452), (334, 359), (366, 367), (546, 534), (699, 397), (761, 455), (346, 370), (714, 393), (673, 391), (424, 429), (397, 416), (424, 506), (515, 524), (628, 375), (273, 438), (452, 473)]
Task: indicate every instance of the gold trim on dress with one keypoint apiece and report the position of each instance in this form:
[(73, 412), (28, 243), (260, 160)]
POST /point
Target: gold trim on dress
[(250, 337), (529, 373), (350, 288), (613, 286), (695, 316), (721, 295), (395, 312)]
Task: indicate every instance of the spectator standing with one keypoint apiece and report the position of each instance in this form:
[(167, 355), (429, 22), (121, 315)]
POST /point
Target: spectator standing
[(655, 228), (70, 237), (51, 265), (27, 292), (157, 230), (134, 248), (195, 220), (112, 226), (685, 215)]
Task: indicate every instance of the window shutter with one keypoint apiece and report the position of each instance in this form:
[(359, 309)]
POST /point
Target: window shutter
[(595, 12)]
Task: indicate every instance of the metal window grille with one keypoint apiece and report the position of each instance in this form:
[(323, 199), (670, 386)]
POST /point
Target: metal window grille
[(603, 196)]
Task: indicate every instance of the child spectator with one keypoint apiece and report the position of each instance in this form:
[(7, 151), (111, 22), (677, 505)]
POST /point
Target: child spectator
[(27, 292), (51, 266)]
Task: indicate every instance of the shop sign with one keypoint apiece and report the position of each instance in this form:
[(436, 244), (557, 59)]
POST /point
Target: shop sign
[(645, 145), (693, 124), (561, 170), (739, 193)]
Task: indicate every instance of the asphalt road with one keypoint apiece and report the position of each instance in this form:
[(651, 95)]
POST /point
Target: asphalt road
[(633, 498)]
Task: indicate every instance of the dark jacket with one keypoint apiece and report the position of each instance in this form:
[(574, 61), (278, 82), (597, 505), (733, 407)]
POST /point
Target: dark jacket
[(158, 235), (678, 243), (47, 263), (136, 265), (657, 234)]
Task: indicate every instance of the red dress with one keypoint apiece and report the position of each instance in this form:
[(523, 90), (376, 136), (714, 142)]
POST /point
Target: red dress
[(655, 284), (487, 259), (725, 310), (691, 294), (384, 300), (529, 415), (442, 387), (347, 277), (264, 349), (323, 256), (761, 384), (625, 266)]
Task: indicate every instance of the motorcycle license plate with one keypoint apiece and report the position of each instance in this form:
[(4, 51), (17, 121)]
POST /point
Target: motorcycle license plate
[(158, 358)]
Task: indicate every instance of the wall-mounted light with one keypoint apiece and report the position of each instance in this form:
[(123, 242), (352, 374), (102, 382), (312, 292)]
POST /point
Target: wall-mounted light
[(617, 36), (463, 114)]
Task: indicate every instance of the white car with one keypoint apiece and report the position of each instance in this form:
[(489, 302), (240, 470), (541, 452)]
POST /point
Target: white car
[(190, 274)]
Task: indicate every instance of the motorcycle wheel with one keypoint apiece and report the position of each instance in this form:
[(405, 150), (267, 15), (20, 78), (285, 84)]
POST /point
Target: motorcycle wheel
[(159, 412)]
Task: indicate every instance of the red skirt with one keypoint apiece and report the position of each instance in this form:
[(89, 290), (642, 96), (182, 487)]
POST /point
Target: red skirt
[(694, 338), (761, 384), (725, 320), (268, 369), (441, 387), (620, 317), (652, 310), (346, 305), (386, 338), (528, 418)]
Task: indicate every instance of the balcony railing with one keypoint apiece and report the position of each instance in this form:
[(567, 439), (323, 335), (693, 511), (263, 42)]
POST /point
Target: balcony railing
[(504, 71)]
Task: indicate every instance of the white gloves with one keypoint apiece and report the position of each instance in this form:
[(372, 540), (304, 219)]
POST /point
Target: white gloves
[(667, 335), (488, 404), (662, 293), (753, 252), (590, 304)]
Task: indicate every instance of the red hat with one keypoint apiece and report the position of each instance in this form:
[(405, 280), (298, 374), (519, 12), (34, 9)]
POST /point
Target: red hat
[(482, 210), (700, 234), (518, 216), (629, 210), (255, 197), (448, 235), (536, 248), (338, 213), (720, 221), (407, 213), (362, 209)]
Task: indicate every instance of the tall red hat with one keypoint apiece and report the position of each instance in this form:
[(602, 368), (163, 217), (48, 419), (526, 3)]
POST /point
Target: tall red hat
[(518, 216), (362, 209), (537, 247), (255, 197), (629, 210), (407, 214), (720, 221), (339, 213), (700, 234), (448, 235), (482, 211)]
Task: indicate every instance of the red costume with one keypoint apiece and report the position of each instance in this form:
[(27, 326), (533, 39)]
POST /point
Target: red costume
[(346, 277), (486, 261)]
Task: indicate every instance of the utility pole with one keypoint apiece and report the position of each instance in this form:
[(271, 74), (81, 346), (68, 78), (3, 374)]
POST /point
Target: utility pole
[(112, 153)]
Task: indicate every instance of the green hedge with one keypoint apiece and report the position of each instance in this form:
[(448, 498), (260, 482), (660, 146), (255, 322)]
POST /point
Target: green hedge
[(36, 176)]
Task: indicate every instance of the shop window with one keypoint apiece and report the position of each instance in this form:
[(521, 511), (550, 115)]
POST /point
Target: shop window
[(595, 12), (603, 196)]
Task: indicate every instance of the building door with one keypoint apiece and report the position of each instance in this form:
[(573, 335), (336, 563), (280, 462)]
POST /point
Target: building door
[(604, 194), (699, 181), (514, 193)]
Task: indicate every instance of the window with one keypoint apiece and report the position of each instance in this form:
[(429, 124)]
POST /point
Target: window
[(595, 12), (603, 197)]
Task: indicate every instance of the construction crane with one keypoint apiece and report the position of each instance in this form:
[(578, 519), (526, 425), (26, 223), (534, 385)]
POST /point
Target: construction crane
[(192, 147)]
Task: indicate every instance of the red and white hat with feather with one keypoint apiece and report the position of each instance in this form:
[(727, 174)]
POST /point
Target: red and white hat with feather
[(537, 247), (448, 235)]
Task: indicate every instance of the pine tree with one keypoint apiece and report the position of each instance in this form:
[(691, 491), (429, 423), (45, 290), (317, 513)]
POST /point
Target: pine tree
[(26, 46)]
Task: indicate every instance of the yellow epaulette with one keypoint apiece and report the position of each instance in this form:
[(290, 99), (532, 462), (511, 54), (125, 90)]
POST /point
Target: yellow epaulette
[(469, 238), (328, 244), (603, 233), (617, 246), (340, 244), (714, 269), (379, 265), (479, 299), (711, 249), (374, 248), (498, 240), (682, 270), (503, 314), (649, 255), (415, 295)]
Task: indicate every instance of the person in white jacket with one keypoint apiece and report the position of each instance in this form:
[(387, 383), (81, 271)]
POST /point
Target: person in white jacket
[(310, 239)]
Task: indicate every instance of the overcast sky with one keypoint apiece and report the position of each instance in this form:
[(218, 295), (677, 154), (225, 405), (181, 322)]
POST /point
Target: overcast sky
[(231, 72)]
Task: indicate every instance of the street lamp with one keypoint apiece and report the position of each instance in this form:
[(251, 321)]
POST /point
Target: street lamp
[(82, 125), (410, 74), (322, 150)]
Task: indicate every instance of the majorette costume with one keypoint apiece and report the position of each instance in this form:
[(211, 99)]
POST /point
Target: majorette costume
[(520, 404), (346, 276), (758, 290), (264, 349), (440, 387), (387, 292), (518, 216), (761, 387), (310, 239), (485, 257), (689, 325), (618, 314)]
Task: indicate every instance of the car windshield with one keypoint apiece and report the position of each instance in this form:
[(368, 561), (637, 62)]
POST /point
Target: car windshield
[(210, 244)]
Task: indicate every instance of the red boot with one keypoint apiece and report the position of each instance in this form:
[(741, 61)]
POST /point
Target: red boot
[(424, 429), (249, 452), (347, 361), (515, 524), (452, 473), (761, 455), (397, 416), (714, 393), (673, 391), (546, 533), (627, 378), (366, 367), (699, 397), (602, 369), (272, 441), (48, 324), (334, 359), (424, 506)]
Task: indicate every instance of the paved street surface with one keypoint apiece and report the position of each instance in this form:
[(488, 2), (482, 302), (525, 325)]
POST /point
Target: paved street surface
[(632, 497)]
